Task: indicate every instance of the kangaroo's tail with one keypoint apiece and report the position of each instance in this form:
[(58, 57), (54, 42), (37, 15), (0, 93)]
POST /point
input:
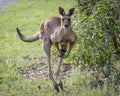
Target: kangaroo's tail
[(27, 38)]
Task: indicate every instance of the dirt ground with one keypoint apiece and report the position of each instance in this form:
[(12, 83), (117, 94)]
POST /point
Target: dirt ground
[(38, 69)]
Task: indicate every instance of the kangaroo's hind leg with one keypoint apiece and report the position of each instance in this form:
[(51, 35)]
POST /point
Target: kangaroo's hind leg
[(46, 47), (57, 73)]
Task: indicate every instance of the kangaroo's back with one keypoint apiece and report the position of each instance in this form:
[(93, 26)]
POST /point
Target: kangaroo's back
[(49, 26)]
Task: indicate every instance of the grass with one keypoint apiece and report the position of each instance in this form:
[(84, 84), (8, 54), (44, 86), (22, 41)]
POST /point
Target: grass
[(27, 15)]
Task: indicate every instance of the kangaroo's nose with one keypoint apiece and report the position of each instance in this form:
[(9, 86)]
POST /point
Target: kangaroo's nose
[(66, 26)]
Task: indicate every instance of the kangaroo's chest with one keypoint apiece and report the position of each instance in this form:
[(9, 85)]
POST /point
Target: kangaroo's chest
[(61, 35)]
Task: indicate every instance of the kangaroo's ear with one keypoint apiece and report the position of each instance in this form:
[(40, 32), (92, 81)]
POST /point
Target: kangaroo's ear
[(71, 11), (61, 11)]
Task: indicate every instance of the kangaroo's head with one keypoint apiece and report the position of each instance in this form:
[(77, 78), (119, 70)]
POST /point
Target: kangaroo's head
[(65, 17)]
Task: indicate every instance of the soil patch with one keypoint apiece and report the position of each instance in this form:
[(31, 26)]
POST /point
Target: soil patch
[(38, 69)]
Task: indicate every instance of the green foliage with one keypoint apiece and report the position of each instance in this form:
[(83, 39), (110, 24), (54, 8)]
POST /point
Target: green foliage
[(96, 27)]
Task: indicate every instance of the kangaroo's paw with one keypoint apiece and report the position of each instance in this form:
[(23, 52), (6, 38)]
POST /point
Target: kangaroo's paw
[(61, 85), (56, 87)]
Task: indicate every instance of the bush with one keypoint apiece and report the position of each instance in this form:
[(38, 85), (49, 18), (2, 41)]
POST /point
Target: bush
[(98, 44)]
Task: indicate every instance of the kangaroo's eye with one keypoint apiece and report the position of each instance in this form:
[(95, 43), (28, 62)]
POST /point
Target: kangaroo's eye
[(69, 19)]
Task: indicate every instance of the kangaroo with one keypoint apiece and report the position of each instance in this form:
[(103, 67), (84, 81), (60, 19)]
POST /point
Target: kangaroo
[(55, 31)]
